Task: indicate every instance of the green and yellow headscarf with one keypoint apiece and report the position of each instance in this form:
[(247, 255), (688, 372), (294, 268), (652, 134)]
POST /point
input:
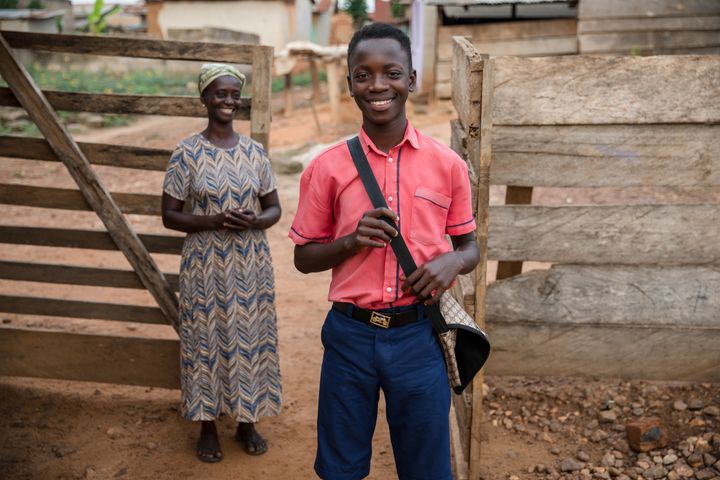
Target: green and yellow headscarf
[(211, 71)]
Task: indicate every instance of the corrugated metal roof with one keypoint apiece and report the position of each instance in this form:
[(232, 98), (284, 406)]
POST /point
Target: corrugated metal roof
[(29, 14), (489, 2)]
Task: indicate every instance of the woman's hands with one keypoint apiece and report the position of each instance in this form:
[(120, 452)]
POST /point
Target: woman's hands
[(235, 219), (246, 219), (239, 219), (372, 230)]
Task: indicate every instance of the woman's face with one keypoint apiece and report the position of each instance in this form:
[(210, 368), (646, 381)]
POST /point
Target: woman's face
[(222, 98)]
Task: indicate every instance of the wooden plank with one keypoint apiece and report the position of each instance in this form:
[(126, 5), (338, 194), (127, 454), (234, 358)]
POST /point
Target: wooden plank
[(73, 275), (334, 70), (467, 68), (458, 139), (69, 199), (132, 47), (261, 89), (459, 143), (456, 448), (79, 309), (514, 196), (646, 42), (597, 90), (685, 51), (130, 104), (288, 109), (481, 148), (150, 362), (69, 238), (663, 24), (652, 322), (526, 29), (609, 295), (567, 45), (607, 155), (658, 353), (635, 234), (125, 156), (646, 8), (463, 414)]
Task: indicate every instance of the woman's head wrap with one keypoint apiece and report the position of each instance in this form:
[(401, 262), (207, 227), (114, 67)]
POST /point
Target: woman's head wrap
[(211, 71)]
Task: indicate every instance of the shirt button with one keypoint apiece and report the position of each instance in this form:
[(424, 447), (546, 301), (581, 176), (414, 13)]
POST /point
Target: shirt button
[(389, 289), (390, 198), (389, 159)]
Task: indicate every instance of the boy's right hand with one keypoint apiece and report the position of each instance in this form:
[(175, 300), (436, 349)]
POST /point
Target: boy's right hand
[(372, 230)]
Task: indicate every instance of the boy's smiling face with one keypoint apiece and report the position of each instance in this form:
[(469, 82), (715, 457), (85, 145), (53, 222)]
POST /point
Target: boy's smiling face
[(380, 79)]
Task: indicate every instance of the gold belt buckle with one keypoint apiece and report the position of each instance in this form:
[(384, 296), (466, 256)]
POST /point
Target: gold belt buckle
[(380, 320)]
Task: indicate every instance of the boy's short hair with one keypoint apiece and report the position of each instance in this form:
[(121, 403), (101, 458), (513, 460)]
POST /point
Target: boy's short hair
[(380, 30)]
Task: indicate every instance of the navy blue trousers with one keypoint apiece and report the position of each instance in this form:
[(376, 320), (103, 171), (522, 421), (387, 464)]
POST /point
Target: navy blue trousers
[(407, 364)]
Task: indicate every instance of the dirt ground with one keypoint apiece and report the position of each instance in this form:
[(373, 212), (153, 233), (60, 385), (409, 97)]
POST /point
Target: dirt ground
[(56, 429)]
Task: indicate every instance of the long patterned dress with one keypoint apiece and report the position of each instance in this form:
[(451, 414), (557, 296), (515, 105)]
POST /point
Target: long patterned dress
[(228, 334)]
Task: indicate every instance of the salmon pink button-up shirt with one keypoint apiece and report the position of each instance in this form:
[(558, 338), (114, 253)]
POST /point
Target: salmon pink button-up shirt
[(424, 182)]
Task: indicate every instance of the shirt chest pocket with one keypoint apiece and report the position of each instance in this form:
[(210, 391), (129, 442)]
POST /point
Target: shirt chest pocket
[(429, 216)]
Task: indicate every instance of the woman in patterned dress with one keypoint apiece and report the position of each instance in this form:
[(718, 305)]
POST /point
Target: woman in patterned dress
[(228, 336)]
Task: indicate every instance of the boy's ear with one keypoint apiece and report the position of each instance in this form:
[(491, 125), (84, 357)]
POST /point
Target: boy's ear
[(413, 80)]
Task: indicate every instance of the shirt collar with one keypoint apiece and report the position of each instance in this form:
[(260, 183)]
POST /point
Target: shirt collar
[(410, 137)]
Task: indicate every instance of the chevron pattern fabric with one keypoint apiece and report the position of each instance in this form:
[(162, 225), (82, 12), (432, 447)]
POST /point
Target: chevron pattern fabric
[(228, 336)]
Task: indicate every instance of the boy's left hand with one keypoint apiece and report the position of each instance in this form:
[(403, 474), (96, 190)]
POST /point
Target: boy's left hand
[(431, 280)]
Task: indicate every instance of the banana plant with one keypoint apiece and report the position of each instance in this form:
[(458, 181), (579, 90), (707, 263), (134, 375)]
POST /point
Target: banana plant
[(97, 19)]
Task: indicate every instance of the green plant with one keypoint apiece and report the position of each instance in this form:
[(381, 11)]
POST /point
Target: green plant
[(397, 9), (358, 11), (35, 5), (137, 81), (8, 4), (140, 81), (299, 80), (97, 19), (115, 120)]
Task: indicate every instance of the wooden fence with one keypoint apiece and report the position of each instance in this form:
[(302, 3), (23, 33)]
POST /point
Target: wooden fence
[(102, 358), (523, 38), (634, 291), (649, 27)]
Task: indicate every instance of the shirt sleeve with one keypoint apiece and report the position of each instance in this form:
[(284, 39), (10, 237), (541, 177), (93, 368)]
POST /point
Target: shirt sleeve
[(268, 182), (460, 219), (313, 221), (177, 175)]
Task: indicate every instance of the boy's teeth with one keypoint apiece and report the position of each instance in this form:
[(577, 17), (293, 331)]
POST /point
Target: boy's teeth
[(380, 102)]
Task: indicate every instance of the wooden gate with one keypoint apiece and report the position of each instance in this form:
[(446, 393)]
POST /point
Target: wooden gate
[(102, 358), (634, 290)]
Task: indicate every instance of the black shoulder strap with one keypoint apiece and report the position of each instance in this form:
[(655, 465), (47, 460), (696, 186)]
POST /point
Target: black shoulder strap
[(398, 243)]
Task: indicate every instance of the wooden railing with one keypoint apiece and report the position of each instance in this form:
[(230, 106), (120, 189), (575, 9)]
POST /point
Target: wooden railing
[(105, 358)]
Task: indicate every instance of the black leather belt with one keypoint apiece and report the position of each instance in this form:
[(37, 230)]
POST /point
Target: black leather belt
[(378, 318)]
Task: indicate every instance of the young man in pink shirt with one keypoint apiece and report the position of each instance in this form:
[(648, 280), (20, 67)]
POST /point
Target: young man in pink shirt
[(427, 190)]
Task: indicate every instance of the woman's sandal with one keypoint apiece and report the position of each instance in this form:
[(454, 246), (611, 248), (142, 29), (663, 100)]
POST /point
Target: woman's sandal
[(208, 448), (253, 443)]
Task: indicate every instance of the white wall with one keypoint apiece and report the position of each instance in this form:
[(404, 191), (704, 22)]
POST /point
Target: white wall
[(269, 19)]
